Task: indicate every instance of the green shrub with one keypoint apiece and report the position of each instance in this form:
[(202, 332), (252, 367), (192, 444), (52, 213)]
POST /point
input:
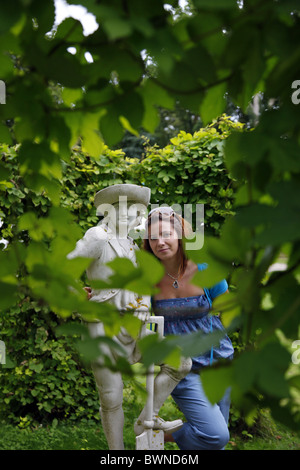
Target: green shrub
[(43, 379), (191, 170)]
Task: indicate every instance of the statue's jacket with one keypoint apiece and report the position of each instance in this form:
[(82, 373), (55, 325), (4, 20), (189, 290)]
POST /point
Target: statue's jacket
[(101, 245)]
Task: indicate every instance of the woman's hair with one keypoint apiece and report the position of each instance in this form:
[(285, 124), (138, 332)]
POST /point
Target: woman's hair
[(178, 223)]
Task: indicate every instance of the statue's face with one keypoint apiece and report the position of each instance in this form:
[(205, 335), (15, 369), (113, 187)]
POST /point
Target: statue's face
[(124, 216)]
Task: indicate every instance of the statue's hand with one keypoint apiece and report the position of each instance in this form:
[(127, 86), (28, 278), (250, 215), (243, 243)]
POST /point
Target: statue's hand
[(142, 314), (139, 309)]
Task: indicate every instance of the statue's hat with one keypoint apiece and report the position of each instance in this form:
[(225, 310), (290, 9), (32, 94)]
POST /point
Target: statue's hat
[(133, 192)]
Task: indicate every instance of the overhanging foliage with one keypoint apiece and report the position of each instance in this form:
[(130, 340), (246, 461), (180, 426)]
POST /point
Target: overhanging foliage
[(239, 48)]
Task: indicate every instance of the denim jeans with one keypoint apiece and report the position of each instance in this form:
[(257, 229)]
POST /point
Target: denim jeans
[(207, 425)]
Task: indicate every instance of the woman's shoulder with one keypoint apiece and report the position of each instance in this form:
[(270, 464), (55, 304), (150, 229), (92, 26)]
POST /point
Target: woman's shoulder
[(191, 269)]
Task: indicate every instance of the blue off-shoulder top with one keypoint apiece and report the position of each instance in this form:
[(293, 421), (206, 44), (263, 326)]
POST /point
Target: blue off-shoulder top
[(186, 315)]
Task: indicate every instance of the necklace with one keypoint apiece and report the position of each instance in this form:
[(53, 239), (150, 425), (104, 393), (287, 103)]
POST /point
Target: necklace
[(175, 283)]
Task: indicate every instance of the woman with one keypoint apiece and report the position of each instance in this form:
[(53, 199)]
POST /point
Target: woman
[(185, 308)]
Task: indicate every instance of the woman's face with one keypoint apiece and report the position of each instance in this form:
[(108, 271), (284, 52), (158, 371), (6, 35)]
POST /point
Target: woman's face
[(163, 240)]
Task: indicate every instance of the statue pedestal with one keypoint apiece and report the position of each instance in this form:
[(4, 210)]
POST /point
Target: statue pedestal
[(151, 439)]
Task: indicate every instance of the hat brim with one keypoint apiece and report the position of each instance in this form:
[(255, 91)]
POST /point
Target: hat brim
[(133, 193)]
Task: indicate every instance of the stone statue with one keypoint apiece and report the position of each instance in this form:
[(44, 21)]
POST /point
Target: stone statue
[(122, 206)]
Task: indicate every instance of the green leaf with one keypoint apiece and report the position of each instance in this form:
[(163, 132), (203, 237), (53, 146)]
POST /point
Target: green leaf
[(216, 381), (152, 270), (110, 127), (228, 306), (44, 14), (8, 292), (10, 260), (127, 126), (155, 350), (38, 228), (10, 14), (63, 68), (90, 348), (71, 95), (117, 28), (69, 28), (40, 158), (213, 104), (273, 363), (246, 370), (216, 4), (219, 266), (72, 329), (266, 217), (242, 150), (36, 367), (92, 142), (131, 107), (153, 96), (197, 343), (5, 135), (132, 324)]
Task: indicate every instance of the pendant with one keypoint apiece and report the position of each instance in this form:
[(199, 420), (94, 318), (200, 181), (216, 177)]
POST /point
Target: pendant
[(175, 284)]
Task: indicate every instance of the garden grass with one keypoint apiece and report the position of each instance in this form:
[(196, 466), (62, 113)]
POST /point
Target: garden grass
[(84, 436), (88, 434)]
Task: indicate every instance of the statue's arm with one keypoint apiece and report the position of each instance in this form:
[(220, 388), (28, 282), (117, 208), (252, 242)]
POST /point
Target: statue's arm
[(91, 245)]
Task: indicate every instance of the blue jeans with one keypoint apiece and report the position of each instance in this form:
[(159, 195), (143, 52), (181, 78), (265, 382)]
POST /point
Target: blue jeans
[(207, 425)]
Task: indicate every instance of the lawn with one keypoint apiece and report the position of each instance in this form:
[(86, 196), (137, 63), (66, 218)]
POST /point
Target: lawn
[(89, 435), (85, 436)]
